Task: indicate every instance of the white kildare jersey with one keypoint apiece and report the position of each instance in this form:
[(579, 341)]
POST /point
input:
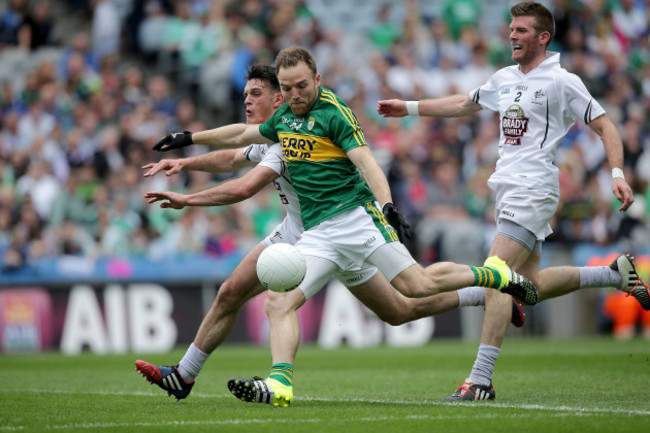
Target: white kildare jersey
[(271, 156), (536, 111)]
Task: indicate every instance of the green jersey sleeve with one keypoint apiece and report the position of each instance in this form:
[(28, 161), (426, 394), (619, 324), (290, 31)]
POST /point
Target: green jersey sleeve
[(268, 130), (344, 127)]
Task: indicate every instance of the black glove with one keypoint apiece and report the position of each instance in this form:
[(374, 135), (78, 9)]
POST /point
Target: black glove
[(175, 140), (396, 219)]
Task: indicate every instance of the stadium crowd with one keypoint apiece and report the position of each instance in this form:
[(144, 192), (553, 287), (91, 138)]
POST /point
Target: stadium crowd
[(78, 121)]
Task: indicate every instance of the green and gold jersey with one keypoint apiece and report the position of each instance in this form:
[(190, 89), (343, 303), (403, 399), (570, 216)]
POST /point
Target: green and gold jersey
[(314, 148)]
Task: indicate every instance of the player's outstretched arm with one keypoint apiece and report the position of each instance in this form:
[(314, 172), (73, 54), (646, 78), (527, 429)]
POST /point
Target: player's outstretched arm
[(235, 135), (227, 192), (614, 149), (448, 106), (218, 161)]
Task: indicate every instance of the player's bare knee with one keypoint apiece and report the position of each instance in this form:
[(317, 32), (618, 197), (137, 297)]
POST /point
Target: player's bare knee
[(277, 304), (230, 297)]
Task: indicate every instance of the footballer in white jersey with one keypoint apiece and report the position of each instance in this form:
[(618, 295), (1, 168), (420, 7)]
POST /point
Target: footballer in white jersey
[(536, 111), (271, 156)]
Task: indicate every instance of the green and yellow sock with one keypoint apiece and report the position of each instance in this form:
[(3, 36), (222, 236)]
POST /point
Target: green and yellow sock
[(486, 277), (283, 373)]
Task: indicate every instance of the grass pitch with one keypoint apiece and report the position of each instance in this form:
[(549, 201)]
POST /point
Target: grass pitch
[(592, 385)]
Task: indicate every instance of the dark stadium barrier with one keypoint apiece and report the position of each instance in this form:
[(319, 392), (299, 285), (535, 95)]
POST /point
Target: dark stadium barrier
[(153, 317)]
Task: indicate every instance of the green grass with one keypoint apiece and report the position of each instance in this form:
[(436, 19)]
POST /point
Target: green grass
[(594, 385)]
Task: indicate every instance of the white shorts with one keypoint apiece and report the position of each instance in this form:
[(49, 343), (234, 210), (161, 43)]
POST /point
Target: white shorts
[(348, 242), (286, 232), (529, 208), (320, 270), (289, 232)]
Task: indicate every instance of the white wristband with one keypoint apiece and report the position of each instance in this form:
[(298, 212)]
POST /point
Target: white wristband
[(617, 172), (412, 108)]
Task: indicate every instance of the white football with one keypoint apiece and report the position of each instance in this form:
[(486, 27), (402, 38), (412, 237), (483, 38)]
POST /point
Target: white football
[(281, 267)]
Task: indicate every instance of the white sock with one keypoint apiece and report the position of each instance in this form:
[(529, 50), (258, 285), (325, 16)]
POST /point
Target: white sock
[(471, 296), (484, 365), (192, 363), (599, 276)]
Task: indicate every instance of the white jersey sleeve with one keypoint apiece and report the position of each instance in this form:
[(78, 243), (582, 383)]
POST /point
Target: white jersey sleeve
[(487, 95), (576, 99), (255, 152), (271, 156), (267, 156)]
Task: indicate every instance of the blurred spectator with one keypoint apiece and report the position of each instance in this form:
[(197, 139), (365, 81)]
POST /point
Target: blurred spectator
[(150, 31), (384, 33), (81, 44), (133, 88), (630, 22), (203, 40), (254, 50), (107, 157), (36, 123), (405, 77), (220, 241), (40, 26), (174, 31), (123, 221), (40, 186), (460, 14), (185, 236), (12, 16), (161, 99), (106, 28), (9, 137), (476, 71)]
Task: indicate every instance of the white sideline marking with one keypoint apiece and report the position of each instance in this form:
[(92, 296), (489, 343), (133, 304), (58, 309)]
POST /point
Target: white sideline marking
[(92, 426), (492, 404)]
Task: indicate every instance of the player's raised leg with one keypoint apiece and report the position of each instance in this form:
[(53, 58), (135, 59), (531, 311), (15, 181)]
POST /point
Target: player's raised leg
[(241, 286)]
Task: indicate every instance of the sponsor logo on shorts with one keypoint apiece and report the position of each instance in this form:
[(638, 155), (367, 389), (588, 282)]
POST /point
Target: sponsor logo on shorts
[(369, 241), (508, 213), (353, 279)]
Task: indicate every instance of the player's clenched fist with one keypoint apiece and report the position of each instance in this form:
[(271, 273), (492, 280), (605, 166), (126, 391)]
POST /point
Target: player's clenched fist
[(392, 108), (175, 140)]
